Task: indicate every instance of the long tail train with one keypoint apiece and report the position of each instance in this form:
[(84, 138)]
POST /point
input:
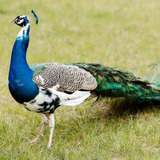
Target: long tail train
[(117, 83)]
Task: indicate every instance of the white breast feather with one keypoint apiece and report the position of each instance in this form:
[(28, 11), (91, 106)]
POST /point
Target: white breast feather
[(40, 99), (65, 99)]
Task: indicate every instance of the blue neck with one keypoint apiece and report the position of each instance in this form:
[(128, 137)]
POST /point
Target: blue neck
[(21, 86)]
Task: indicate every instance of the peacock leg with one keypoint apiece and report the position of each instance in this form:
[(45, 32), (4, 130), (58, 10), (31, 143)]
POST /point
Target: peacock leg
[(45, 123), (51, 125)]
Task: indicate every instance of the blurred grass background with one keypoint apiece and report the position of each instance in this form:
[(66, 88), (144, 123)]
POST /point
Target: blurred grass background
[(124, 34)]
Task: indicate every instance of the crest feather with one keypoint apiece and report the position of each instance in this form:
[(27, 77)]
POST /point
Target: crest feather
[(32, 17)]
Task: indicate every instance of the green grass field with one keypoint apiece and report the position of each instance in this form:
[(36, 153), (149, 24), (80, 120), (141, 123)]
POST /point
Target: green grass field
[(124, 34)]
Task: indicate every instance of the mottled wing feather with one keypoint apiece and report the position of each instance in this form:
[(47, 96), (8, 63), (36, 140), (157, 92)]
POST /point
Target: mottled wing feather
[(69, 78)]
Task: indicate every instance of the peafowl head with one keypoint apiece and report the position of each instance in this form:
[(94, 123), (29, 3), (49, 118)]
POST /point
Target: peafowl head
[(23, 20), (20, 20)]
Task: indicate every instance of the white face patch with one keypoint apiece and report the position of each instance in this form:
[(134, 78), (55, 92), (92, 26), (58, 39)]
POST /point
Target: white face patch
[(20, 21), (22, 16)]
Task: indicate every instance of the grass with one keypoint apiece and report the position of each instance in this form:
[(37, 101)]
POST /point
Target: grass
[(124, 34)]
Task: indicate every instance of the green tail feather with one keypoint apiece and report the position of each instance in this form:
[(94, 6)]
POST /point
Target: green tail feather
[(117, 83)]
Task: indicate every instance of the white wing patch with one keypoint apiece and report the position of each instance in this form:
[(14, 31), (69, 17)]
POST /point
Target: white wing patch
[(70, 99), (41, 79)]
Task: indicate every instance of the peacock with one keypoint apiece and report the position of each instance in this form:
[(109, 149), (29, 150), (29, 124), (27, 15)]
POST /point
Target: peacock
[(43, 87)]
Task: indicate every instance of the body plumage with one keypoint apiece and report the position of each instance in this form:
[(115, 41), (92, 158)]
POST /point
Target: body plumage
[(43, 87)]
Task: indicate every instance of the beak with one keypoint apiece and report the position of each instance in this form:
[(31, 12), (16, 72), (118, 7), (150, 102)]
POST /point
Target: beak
[(12, 21)]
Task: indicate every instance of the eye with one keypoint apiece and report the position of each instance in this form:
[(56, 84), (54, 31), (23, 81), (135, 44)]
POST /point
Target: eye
[(19, 21)]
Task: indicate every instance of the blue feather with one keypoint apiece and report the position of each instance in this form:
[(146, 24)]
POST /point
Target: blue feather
[(21, 86)]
